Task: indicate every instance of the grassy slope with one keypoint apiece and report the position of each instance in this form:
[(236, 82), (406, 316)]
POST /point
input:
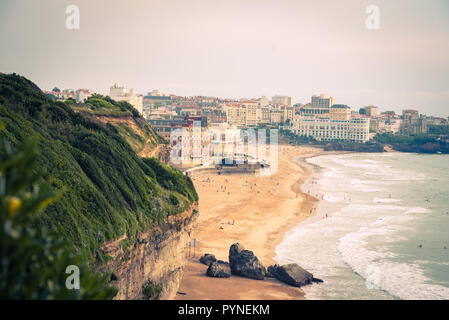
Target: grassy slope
[(129, 124), (106, 188)]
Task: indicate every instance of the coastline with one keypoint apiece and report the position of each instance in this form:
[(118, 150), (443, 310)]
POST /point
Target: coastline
[(263, 210)]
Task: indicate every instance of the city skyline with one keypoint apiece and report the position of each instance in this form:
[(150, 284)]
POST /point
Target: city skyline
[(237, 49)]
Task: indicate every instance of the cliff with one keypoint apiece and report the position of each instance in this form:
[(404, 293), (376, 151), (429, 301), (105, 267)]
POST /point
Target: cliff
[(131, 126), (157, 257), (122, 213)]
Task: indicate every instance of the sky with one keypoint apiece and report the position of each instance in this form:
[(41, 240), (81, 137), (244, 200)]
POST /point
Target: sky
[(237, 49)]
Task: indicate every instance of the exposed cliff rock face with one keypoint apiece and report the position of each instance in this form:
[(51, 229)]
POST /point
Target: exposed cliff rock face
[(160, 152), (158, 256)]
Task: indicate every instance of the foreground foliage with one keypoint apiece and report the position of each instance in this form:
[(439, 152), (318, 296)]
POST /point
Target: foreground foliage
[(33, 263)]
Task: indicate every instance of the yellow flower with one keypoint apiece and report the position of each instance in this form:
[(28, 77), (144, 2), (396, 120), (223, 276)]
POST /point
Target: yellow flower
[(14, 204)]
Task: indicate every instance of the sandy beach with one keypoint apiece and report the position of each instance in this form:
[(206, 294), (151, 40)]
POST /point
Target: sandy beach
[(254, 211)]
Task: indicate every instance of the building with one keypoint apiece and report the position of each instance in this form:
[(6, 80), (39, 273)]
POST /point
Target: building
[(224, 141), (81, 95), (121, 94), (155, 93), (243, 114), (263, 101), (252, 113), (413, 123), (340, 112), (286, 113), (236, 114), (355, 129), (322, 101), (215, 115), (282, 100), (264, 115), (61, 95), (154, 100), (371, 111), (320, 106), (386, 125), (276, 116)]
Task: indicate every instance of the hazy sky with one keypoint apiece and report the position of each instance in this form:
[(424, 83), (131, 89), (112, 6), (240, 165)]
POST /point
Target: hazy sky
[(244, 48)]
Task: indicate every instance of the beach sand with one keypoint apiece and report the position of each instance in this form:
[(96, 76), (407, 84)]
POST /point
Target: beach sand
[(254, 211)]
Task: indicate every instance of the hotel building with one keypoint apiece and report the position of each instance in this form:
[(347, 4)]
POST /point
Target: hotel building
[(355, 129), (331, 123)]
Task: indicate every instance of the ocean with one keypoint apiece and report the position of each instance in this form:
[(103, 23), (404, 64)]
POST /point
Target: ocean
[(386, 234)]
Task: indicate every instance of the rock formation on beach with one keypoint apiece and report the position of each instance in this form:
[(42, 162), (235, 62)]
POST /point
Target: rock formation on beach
[(244, 263), (207, 259), (217, 270), (293, 274)]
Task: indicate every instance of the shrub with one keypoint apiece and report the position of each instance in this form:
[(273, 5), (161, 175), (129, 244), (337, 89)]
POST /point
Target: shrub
[(151, 290), (33, 263)]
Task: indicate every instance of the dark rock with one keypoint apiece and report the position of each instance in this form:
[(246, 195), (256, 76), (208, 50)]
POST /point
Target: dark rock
[(222, 262), (217, 270), (268, 274), (244, 263), (294, 275), (207, 259), (271, 272), (317, 280)]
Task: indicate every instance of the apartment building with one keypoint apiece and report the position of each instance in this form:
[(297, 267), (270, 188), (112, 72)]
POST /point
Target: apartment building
[(122, 94), (276, 116), (236, 114), (264, 115), (252, 112), (246, 113)]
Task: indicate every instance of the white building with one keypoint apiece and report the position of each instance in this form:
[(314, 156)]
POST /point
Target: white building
[(355, 129), (81, 95), (121, 94)]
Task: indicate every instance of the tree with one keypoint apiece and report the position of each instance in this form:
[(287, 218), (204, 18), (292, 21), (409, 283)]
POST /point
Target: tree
[(33, 262)]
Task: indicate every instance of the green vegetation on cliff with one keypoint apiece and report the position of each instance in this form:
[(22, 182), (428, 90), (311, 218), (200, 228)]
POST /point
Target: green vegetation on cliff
[(127, 121), (106, 189), (423, 143)]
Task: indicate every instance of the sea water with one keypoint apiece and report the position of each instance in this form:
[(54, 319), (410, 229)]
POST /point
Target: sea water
[(382, 230)]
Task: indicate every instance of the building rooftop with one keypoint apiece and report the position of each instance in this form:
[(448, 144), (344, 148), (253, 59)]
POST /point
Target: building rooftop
[(340, 106)]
